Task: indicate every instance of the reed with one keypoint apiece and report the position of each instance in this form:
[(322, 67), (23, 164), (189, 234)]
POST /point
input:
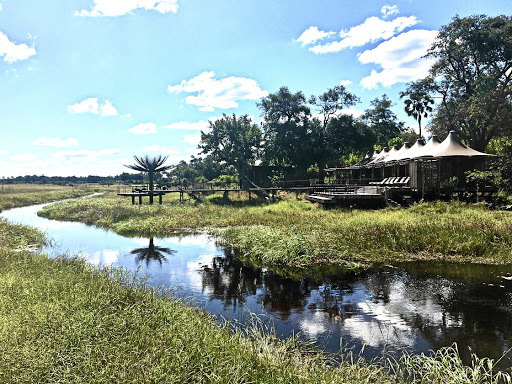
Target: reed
[(298, 234)]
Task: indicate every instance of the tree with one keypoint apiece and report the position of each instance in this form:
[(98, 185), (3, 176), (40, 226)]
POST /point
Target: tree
[(233, 140), (150, 166), (382, 120), (286, 129), (418, 101), (333, 101), (473, 76)]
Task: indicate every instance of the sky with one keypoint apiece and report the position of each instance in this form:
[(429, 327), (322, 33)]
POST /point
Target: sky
[(87, 84)]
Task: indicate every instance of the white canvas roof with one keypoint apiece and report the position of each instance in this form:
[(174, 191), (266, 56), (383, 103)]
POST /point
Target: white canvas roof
[(453, 146), (428, 149), (398, 154)]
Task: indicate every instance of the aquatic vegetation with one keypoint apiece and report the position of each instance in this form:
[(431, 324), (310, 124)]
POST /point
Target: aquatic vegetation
[(19, 195), (296, 233)]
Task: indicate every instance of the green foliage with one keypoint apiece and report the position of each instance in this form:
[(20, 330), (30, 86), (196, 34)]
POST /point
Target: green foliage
[(233, 140), (472, 76), (382, 120), (398, 141), (286, 129), (298, 234), (418, 100)]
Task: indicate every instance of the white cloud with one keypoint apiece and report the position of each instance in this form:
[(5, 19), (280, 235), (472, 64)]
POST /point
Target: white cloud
[(345, 111), (313, 34), (89, 105), (122, 7), (193, 139), (187, 126), (55, 142), (345, 82), (107, 109), (388, 10), (84, 154), (144, 129), (92, 105), (162, 150), (1, 7), (4, 151), (371, 30), (401, 59), (212, 93), (24, 157), (13, 52)]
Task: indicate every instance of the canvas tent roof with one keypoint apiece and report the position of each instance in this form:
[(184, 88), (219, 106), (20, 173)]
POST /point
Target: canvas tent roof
[(411, 152), (428, 149), (398, 154), (381, 156), (453, 146)]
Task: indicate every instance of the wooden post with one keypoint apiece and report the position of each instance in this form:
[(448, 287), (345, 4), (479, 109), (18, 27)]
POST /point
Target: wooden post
[(249, 195), (160, 198), (140, 199), (133, 200)]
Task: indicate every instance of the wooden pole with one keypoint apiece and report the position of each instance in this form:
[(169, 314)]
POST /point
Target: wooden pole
[(133, 200), (140, 199)]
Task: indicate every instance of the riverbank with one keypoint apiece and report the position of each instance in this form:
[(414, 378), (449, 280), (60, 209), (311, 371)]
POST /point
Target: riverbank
[(21, 195), (295, 233), (64, 321)]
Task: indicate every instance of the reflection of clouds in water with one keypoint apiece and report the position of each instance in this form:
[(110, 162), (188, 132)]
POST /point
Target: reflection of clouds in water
[(194, 278), (315, 326), (200, 240), (110, 257), (100, 258)]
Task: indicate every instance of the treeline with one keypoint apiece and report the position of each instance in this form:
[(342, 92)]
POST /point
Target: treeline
[(125, 177), (468, 89)]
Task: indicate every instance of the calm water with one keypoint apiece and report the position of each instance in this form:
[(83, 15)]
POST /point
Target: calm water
[(414, 307)]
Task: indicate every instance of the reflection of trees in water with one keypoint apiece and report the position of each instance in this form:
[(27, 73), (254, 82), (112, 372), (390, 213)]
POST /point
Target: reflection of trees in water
[(151, 253), (230, 280), (442, 310)]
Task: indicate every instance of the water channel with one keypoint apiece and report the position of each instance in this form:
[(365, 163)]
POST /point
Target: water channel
[(415, 307)]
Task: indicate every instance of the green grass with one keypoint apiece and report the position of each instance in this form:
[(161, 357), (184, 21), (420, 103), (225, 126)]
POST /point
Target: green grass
[(298, 234), (20, 195), (63, 321)]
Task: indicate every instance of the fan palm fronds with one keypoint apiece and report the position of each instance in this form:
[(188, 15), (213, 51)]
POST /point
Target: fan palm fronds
[(148, 164)]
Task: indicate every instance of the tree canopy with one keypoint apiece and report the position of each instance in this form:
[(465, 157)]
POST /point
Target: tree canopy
[(473, 76), (233, 140)]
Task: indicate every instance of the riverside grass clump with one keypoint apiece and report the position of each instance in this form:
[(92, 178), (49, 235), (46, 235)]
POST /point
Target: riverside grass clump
[(298, 234), (64, 321), (19, 195)]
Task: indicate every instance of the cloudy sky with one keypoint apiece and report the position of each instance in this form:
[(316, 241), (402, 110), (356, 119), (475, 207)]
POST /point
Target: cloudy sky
[(86, 84)]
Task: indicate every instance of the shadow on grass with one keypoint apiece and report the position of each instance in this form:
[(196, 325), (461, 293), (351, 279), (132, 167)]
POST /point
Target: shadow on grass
[(239, 203)]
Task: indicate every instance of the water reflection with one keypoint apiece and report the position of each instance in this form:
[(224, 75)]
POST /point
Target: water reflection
[(152, 253), (414, 307)]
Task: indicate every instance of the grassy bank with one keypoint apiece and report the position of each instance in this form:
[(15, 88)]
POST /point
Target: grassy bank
[(298, 234), (63, 321), (20, 195)]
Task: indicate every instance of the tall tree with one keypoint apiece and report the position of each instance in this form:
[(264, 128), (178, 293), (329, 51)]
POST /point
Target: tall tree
[(151, 166), (418, 100), (233, 140), (332, 101), (473, 75), (382, 120), (287, 130)]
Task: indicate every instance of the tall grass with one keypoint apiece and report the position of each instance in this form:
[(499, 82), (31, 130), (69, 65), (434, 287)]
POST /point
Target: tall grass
[(20, 195), (296, 233)]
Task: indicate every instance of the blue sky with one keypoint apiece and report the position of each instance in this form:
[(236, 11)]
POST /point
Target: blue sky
[(86, 84)]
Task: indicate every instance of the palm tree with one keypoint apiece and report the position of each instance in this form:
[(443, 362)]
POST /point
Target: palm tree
[(418, 106), (418, 99), (152, 253), (150, 166)]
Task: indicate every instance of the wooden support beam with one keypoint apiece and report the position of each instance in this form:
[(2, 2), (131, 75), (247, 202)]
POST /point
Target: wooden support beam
[(160, 198), (133, 200), (140, 199)]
